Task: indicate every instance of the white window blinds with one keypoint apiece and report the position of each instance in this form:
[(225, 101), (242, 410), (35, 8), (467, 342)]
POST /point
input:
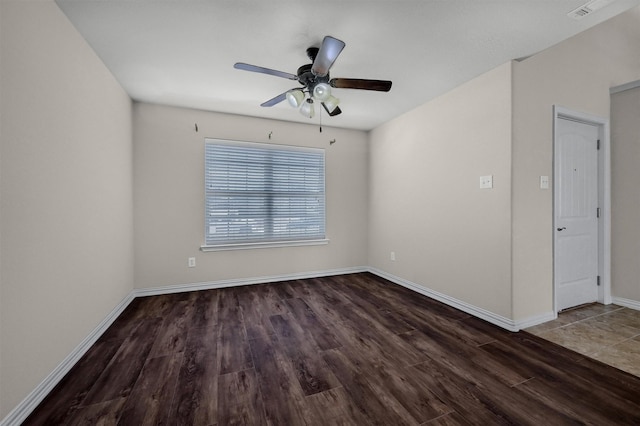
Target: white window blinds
[(261, 193)]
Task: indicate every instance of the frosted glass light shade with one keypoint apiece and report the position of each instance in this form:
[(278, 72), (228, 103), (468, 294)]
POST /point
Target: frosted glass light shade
[(307, 109), (295, 97), (331, 103), (322, 92)]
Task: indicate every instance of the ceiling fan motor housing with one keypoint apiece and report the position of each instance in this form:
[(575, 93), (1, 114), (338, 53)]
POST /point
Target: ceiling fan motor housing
[(308, 79), (312, 53)]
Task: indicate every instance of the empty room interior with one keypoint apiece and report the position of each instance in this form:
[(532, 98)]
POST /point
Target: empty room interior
[(454, 193)]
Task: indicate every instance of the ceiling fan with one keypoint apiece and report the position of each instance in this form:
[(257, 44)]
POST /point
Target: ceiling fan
[(315, 80)]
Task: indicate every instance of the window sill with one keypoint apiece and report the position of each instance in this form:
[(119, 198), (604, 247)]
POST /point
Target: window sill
[(270, 244)]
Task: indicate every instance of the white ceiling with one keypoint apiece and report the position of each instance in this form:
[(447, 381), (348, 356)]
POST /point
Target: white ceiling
[(182, 53)]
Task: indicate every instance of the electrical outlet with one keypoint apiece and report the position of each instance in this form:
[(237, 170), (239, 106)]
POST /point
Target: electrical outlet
[(192, 262), (393, 256)]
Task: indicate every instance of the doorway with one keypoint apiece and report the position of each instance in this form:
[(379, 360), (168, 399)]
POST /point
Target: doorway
[(581, 225)]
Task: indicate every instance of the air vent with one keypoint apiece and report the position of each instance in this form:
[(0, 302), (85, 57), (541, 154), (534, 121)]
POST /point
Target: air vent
[(588, 8), (580, 12)]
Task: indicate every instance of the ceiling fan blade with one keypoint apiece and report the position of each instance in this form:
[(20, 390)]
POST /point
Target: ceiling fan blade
[(358, 83), (327, 55), (271, 102), (254, 68), (335, 111)]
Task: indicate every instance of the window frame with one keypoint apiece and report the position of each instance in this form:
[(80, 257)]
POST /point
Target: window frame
[(268, 243)]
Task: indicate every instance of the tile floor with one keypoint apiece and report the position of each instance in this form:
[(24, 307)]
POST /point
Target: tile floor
[(608, 333)]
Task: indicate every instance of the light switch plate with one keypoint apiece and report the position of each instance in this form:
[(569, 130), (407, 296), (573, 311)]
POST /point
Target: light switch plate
[(544, 182), (486, 182)]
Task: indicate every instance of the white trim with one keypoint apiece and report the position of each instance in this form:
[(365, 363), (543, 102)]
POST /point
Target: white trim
[(39, 393), (628, 303), (268, 244), (604, 198), (488, 316), (211, 285)]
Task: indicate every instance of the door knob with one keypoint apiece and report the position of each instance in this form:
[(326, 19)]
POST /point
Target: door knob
[(562, 229)]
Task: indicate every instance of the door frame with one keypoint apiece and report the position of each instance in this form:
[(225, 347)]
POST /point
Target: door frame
[(604, 198)]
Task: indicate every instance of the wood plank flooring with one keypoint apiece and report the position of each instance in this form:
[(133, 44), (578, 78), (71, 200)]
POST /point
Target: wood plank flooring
[(344, 350)]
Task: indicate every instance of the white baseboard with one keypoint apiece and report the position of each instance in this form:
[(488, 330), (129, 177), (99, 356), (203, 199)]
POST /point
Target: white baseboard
[(488, 316), (210, 285), (495, 319), (627, 303), (22, 410)]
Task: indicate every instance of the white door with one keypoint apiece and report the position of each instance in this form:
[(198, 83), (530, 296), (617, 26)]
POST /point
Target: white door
[(575, 211)]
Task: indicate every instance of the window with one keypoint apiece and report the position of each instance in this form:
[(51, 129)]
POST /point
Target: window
[(262, 195)]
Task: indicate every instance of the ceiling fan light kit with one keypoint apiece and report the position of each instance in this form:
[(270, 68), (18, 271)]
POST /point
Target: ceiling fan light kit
[(295, 97), (307, 109), (322, 91), (315, 80), (331, 104)]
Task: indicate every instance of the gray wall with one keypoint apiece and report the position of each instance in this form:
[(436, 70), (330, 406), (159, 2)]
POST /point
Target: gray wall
[(625, 196), (87, 210), (66, 194), (426, 205), (575, 74), (169, 198), (492, 249)]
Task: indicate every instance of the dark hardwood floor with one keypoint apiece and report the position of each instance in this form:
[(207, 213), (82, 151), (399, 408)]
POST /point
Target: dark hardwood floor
[(343, 350)]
